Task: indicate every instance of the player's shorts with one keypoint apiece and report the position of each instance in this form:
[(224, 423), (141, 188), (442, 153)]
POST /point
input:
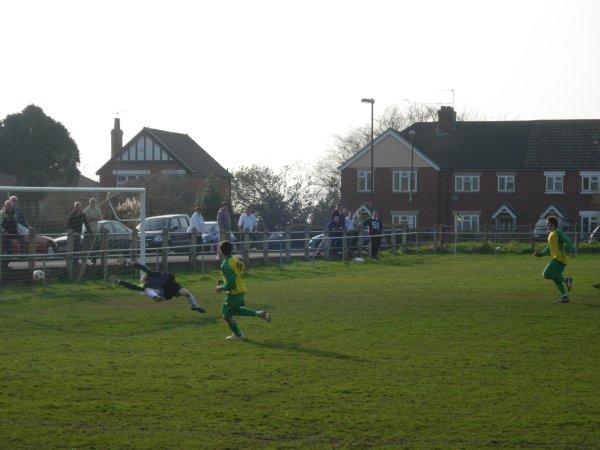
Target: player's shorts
[(171, 289), (164, 282), (554, 269), (232, 304)]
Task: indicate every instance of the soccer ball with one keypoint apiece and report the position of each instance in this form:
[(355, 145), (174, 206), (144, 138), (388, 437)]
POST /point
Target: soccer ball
[(38, 275)]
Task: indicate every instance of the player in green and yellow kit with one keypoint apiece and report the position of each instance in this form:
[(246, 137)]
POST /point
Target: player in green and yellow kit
[(557, 241), (235, 287)]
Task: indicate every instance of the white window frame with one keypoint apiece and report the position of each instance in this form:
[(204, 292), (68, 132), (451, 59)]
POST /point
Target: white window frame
[(144, 149), (589, 220), (406, 220), (590, 182), (468, 222), (401, 181), (124, 176), (362, 182), (506, 183), (555, 182), (466, 183)]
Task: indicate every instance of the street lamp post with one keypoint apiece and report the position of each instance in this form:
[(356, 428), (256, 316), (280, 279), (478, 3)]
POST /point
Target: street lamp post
[(372, 102), (411, 133)]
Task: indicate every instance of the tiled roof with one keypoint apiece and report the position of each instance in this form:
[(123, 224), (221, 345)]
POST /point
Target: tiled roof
[(184, 148), (511, 145)]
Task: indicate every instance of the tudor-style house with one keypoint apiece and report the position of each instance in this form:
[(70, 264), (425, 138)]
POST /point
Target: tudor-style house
[(506, 174), (154, 151)]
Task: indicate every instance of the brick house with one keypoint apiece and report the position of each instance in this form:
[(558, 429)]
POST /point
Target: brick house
[(507, 174), (154, 151)]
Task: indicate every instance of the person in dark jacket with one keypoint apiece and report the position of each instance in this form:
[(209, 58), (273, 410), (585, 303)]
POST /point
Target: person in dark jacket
[(160, 286), (375, 233), (8, 222)]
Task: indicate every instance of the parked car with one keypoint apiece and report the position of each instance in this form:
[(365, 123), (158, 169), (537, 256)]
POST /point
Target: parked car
[(315, 242), (175, 224), (119, 236), (211, 239), (43, 245), (277, 240)]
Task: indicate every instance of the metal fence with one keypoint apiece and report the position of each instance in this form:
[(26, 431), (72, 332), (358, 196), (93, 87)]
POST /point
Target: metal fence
[(280, 247)]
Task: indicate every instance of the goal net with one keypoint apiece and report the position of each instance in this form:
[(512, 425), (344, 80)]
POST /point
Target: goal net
[(45, 240)]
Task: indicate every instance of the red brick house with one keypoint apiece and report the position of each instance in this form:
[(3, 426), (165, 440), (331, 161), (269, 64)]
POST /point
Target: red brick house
[(154, 151), (507, 174)]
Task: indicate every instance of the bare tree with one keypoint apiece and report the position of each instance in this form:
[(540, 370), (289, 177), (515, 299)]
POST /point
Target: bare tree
[(326, 172), (279, 199)]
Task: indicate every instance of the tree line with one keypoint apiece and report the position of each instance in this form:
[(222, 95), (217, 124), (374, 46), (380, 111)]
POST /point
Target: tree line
[(39, 151)]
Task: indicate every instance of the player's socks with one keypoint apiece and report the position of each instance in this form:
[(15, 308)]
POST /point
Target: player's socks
[(192, 300), (234, 327)]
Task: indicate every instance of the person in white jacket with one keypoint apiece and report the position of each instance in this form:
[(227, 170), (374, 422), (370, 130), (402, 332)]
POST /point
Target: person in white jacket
[(198, 224)]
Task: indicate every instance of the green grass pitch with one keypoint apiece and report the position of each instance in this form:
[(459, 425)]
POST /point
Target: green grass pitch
[(419, 351)]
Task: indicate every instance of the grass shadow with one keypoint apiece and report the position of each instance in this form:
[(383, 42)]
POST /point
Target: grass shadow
[(299, 349)]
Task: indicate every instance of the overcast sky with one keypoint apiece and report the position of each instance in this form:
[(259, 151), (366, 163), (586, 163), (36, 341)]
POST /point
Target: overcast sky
[(270, 82)]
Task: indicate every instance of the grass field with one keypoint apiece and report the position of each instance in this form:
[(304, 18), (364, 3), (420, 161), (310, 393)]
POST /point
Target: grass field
[(408, 352)]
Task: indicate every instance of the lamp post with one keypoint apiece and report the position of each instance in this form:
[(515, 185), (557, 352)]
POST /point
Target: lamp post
[(411, 133), (372, 102)]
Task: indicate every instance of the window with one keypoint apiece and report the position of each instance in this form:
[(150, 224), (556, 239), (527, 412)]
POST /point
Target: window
[(467, 222), (144, 149), (364, 181), (554, 182), (125, 176), (122, 180), (405, 220), (140, 149), (590, 182), (506, 183), (589, 220), (466, 183), (401, 180)]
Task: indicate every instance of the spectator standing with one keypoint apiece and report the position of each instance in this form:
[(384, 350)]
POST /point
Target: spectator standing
[(351, 231), (93, 216), (247, 224), (18, 212), (76, 221), (20, 222), (375, 233), (8, 222), (338, 211), (198, 225), (224, 222), (335, 232)]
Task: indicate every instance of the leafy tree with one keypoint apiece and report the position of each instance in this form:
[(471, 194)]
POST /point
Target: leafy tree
[(321, 214), (210, 199), (38, 150), (278, 199)]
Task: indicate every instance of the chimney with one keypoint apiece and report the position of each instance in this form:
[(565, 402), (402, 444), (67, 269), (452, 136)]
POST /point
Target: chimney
[(446, 119), (116, 138)]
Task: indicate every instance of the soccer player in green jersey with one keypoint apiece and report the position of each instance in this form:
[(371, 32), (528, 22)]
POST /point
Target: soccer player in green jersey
[(234, 285), (557, 241)]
